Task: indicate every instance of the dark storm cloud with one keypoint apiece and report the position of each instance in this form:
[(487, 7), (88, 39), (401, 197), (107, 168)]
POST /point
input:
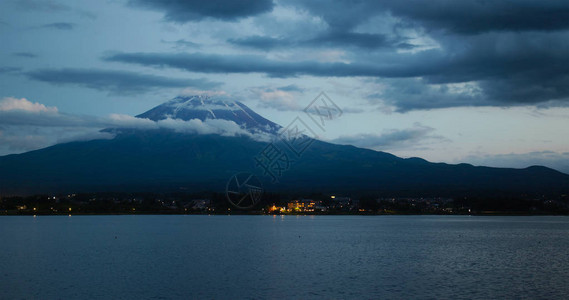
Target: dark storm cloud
[(214, 63), (338, 39), (183, 11), (60, 26), (493, 53), (463, 17), (475, 63), (262, 42), (181, 43), (498, 69), (25, 54), (347, 39), (509, 69), (473, 16), (407, 94), (495, 56), (116, 82)]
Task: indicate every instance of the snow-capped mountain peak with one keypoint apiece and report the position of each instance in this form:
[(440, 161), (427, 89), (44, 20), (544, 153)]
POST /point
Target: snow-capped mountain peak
[(205, 107)]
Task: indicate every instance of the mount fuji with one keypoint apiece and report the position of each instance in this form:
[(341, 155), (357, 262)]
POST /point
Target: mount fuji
[(165, 158), (203, 107)]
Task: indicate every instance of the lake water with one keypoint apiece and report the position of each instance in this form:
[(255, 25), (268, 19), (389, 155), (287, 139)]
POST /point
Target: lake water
[(163, 257)]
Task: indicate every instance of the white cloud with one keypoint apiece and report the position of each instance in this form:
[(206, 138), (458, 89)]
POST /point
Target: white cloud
[(23, 142), (196, 126), (126, 121), (277, 98), (193, 92), (26, 126), (18, 139), (23, 104)]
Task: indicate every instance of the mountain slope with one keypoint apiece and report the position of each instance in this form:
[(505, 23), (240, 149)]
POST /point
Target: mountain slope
[(164, 160)]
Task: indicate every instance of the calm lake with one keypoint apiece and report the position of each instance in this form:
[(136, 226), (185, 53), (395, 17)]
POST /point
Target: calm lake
[(229, 257)]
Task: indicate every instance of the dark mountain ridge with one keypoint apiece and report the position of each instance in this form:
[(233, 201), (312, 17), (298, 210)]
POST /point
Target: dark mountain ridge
[(165, 160)]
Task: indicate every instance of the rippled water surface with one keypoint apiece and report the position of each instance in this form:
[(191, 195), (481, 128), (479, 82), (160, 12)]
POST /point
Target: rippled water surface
[(162, 257)]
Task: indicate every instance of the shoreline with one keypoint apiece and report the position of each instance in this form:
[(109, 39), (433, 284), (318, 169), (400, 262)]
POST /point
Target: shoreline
[(497, 214)]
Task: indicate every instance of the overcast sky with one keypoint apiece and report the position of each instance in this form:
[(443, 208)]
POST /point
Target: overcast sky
[(483, 82)]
